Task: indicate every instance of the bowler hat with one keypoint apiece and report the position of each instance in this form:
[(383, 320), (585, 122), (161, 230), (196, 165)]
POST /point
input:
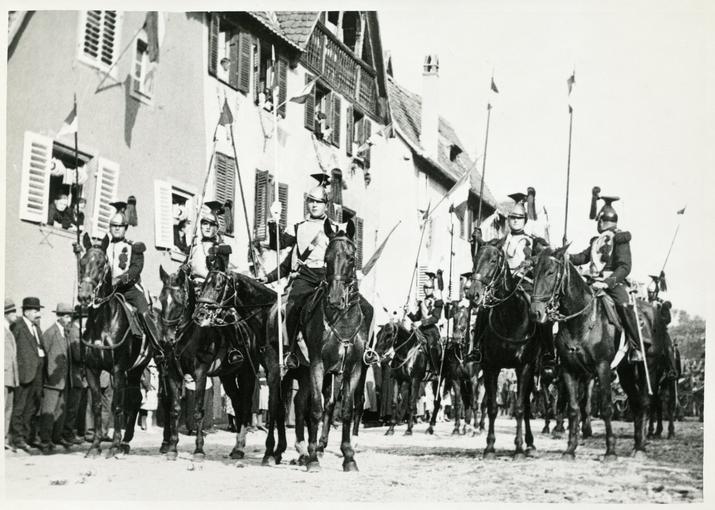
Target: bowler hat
[(30, 303), (10, 306), (64, 309)]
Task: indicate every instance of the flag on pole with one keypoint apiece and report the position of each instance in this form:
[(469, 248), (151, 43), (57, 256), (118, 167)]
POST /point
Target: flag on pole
[(151, 27), (495, 90), (682, 211), (305, 93), (226, 118), (571, 81), (71, 123), (662, 284), (367, 267), (274, 70), (458, 195)]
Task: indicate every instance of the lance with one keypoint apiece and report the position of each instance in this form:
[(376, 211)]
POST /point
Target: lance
[(677, 228), (568, 177), (76, 197), (279, 297), (449, 298), (417, 261), (484, 165)]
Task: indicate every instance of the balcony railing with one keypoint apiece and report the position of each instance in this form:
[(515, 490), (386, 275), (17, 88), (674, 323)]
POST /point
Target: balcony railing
[(326, 56)]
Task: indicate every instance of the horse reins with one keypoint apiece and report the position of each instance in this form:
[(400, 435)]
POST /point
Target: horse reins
[(553, 300)]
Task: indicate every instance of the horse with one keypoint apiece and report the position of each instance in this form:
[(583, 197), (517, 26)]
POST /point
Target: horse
[(555, 396), (110, 343), (586, 344), (408, 368), (336, 325), (510, 339), (199, 346)]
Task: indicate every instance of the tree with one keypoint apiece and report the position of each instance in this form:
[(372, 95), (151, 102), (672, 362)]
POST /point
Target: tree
[(689, 334)]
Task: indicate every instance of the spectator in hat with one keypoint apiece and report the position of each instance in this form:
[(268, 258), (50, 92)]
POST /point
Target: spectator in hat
[(57, 371), (30, 365), (11, 376)]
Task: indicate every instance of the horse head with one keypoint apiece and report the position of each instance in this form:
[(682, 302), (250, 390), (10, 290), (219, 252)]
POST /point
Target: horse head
[(93, 269), (176, 300), (551, 265), (340, 264), (489, 266), (461, 324)]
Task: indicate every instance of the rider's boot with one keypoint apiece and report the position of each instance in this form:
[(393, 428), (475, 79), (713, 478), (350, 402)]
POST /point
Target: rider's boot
[(548, 360), (150, 327), (630, 325)]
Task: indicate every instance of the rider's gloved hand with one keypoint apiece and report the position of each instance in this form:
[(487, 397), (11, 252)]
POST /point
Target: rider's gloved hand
[(599, 285)]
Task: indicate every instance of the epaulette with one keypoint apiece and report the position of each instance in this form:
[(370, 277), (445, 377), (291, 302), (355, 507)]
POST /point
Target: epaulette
[(137, 247), (622, 237)]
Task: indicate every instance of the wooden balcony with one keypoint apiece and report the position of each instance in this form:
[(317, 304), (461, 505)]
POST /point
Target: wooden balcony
[(338, 66)]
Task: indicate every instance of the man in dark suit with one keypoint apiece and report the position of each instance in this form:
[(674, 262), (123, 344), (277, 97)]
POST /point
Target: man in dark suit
[(30, 364), (11, 378), (57, 370), (77, 382)]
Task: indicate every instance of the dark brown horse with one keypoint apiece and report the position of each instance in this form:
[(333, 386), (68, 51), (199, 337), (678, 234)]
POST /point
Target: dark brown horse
[(109, 344), (509, 339), (336, 328), (586, 344)]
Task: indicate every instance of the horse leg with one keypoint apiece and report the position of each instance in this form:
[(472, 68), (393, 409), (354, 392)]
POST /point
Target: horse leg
[(316, 413), (352, 380), (458, 408), (560, 409), (521, 397), (301, 404), (174, 381), (414, 392), (396, 389), (628, 376), (571, 384), (274, 390), (94, 388), (490, 385), (482, 406), (586, 430), (200, 381), (329, 384), (246, 379), (604, 383), (670, 404), (132, 405), (359, 401), (547, 408), (528, 435), (657, 406), (165, 404), (118, 406)]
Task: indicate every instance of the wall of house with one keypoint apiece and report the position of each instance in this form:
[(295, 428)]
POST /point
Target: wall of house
[(164, 140)]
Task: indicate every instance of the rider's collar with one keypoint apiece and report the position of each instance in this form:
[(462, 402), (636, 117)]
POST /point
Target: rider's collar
[(117, 239), (319, 218), (517, 232)]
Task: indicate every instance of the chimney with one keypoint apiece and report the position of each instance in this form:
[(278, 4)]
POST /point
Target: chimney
[(429, 129)]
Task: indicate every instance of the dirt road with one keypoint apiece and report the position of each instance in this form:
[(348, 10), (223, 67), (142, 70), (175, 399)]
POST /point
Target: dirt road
[(399, 468)]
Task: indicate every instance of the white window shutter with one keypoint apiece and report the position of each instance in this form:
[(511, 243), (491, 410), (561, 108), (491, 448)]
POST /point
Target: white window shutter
[(105, 192), (163, 219), (421, 280), (35, 180)]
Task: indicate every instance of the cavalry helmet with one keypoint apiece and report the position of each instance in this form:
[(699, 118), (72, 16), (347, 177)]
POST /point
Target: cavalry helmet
[(319, 194), (519, 209), (119, 218), (210, 212), (607, 212)]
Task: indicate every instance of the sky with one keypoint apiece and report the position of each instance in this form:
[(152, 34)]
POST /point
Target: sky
[(643, 114)]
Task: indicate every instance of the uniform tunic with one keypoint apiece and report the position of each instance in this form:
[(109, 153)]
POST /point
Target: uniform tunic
[(126, 261), (517, 248)]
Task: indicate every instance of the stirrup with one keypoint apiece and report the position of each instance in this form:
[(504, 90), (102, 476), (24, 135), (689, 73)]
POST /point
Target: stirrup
[(235, 357)]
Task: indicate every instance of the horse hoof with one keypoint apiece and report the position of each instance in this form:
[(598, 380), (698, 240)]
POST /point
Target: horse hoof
[(300, 461), (172, 455), (390, 432), (313, 467), (568, 456), (671, 435), (164, 448), (455, 432), (124, 448), (350, 466), (93, 453), (277, 459), (586, 434), (268, 461), (475, 433), (198, 456), (639, 455), (429, 431), (408, 432), (556, 435), (489, 455), (236, 454), (519, 456), (531, 452), (609, 457), (545, 430)]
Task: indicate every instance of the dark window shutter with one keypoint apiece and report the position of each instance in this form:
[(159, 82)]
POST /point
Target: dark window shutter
[(213, 42), (283, 199), (335, 123), (108, 37), (367, 133), (306, 212), (225, 182), (336, 188), (260, 205), (282, 85), (233, 55), (243, 67), (358, 242), (309, 119), (256, 48), (337, 213), (349, 130)]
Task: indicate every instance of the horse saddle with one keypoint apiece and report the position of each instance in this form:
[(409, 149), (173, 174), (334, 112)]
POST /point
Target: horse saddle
[(312, 304), (131, 313), (609, 306)]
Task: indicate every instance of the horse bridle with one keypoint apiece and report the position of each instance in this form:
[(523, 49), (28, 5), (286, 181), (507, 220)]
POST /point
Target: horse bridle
[(489, 299), (219, 313), (553, 300), (96, 301)]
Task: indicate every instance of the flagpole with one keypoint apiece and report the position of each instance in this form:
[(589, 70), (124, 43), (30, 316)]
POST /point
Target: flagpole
[(107, 73), (484, 165), (417, 261), (568, 178), (76, 199), (243, 202), (677, 228)]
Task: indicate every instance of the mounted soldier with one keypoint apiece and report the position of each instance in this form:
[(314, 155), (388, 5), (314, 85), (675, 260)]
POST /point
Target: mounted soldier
[(305, 264), (609, 258), (428, 313), (126, 261)]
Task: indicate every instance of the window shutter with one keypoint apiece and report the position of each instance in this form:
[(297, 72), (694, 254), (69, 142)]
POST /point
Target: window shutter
[(283, 199), (306, 212), (260, 205), (213, 42), (349, 130), (163, 219), (368, 134), (337, 213), (282, 85), (92, 33), (358, 242), (335, 123), (105, 192), (336, 188), (109, 37), (256, 49), (225, 183), (233, 56), (309, 118), (243, 68), (421, 279), (35, 180)]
